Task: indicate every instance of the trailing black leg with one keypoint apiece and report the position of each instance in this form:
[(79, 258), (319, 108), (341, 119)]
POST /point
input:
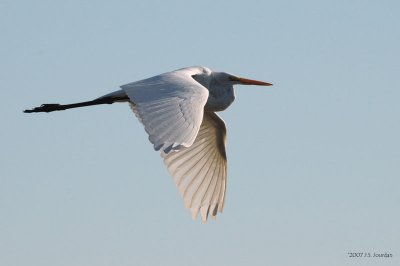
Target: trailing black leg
[(59, 107)]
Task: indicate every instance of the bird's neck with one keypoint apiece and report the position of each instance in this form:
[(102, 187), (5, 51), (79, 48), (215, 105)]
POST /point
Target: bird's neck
[(219, 102)]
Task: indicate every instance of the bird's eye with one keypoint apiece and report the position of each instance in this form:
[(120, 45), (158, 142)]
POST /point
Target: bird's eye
[(234, 78)]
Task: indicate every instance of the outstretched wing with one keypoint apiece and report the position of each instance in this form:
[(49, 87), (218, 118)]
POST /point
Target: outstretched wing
[(199, 171), (170, 106)]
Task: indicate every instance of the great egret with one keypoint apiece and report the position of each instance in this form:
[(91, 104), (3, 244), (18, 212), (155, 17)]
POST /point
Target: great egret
[(177, 110)]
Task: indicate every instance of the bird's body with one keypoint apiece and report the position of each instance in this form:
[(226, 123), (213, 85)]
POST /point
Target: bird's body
[(177, 110)]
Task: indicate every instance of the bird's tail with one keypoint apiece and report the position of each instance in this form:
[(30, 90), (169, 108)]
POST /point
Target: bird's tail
[(59, 107)]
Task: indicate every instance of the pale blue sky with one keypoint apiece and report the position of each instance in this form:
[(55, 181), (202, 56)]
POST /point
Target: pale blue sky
[(313, 161)]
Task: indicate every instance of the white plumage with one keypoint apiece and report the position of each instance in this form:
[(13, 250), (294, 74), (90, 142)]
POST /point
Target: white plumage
[(177, 110), (199, 171), (170, 106)]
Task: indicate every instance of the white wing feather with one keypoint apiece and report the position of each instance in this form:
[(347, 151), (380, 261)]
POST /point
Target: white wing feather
[(200, 171), (170, 106)]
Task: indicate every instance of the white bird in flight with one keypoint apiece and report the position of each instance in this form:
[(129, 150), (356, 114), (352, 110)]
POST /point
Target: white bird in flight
[(177, 110)]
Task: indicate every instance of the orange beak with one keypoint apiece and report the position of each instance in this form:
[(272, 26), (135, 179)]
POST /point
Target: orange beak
[(244, 81), (253, 82)]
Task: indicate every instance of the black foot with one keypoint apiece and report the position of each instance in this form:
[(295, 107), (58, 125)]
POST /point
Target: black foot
[(46, 108)]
